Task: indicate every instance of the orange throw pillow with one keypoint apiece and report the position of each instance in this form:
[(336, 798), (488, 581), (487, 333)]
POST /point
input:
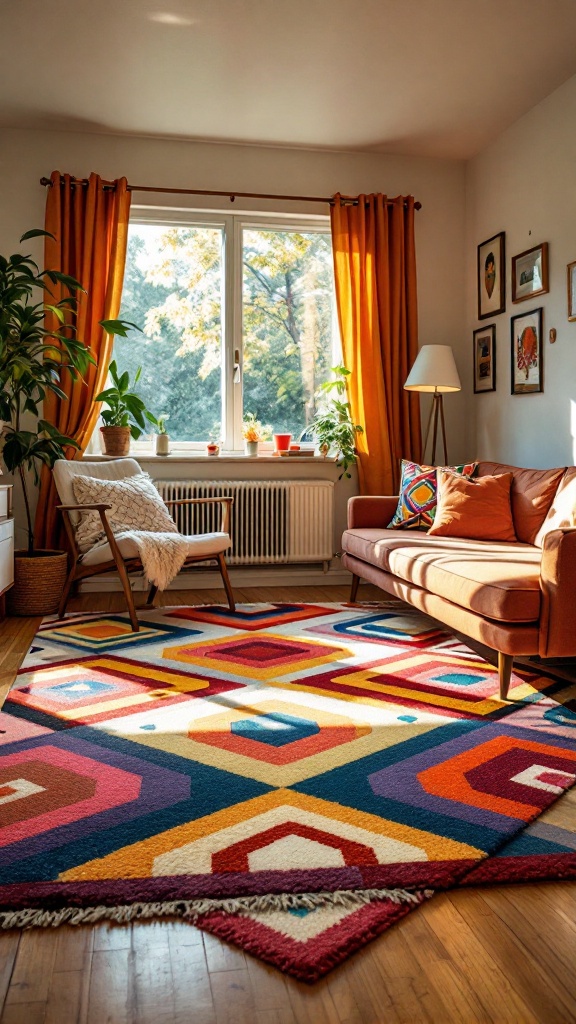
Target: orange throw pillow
[(476, 509)]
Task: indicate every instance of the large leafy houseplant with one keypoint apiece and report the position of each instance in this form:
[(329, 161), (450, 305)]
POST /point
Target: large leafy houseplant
[(333, 426), (33, 360)]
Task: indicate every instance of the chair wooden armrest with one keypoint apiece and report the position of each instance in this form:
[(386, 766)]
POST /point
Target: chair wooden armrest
[(226, 501), (84, 508)]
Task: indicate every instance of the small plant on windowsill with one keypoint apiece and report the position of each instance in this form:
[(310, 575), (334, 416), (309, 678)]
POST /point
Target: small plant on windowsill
[(253, 432), (333, 427), (126, 414), (162, 436)]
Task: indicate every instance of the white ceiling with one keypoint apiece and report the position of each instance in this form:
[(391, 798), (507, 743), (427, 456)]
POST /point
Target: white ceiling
[(430, 77)]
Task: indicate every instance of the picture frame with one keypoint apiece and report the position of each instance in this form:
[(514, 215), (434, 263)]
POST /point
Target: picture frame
[(571, 282), (527, 353), (484, 359), (491, 276), (530, 273)]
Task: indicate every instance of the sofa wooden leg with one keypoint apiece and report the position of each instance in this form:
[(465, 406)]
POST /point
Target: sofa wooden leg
[(504, 673), (354, 587)]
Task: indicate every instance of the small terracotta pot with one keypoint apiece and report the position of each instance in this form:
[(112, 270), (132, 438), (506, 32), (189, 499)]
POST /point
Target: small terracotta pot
[(116, 440)]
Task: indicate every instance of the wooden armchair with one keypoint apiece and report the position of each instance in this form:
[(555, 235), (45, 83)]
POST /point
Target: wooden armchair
[(118, 555)]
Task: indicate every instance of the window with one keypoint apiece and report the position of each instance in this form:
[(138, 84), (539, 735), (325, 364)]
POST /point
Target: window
[(238, 317)]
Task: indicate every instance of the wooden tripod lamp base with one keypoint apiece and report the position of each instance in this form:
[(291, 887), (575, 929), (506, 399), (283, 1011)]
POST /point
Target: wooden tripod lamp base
[(434, 371)]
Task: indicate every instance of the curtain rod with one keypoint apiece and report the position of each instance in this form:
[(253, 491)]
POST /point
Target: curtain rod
[(346, 200)]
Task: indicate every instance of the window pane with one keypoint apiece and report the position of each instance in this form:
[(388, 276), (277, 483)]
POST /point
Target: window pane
[(288, 324), (173, 291)]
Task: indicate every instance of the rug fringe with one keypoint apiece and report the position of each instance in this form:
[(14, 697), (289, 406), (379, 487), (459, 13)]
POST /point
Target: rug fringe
[(34, 917)]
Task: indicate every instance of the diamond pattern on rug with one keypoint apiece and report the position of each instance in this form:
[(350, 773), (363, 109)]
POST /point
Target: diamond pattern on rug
[(279, 750), (258, 656)]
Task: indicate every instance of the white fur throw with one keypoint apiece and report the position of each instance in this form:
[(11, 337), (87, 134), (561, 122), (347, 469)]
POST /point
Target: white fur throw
[(138, 513)]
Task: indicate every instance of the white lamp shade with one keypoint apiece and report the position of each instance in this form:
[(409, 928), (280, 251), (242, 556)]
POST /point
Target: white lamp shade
[(434, 370)]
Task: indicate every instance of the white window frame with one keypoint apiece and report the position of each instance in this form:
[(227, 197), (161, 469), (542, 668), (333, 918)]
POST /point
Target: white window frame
[(232, 226)]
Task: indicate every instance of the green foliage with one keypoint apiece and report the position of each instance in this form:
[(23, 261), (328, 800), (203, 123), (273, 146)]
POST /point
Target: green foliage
[(33, 360), (125, 407), (333, 425)]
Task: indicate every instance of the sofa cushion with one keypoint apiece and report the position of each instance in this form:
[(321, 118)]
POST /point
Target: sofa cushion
[(479, 509), (418, 494), (562, 511), (532, 495), (500, 581)]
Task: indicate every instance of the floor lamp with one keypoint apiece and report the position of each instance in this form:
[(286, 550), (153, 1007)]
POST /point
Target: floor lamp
[(434, 371)]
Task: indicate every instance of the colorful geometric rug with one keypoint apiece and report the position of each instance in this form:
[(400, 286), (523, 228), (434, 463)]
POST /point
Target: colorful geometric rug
[(295, 778)]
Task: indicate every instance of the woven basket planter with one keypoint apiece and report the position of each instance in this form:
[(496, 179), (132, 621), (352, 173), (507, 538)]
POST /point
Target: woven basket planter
[(116, 440), (38, 582)]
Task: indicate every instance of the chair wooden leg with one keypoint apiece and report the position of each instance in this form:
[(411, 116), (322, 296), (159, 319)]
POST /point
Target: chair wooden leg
[(354, 587), (151, 595), (70, 580), (124, 579), (504, 673), (226, 581)]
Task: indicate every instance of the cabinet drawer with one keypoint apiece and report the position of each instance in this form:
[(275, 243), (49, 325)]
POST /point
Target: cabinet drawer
[(6, 562), (6, 529)]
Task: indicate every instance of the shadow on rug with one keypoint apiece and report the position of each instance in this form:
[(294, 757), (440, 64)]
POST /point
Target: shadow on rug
[(293, 778)]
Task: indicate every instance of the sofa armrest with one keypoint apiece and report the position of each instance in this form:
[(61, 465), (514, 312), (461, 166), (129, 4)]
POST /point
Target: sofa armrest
[(370, 511), (558, 584)]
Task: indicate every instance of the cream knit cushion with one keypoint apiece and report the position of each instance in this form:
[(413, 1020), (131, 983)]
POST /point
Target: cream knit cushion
[(135, 505)]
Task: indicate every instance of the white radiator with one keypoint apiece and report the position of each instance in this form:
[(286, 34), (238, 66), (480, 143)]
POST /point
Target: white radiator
[(273, 521)]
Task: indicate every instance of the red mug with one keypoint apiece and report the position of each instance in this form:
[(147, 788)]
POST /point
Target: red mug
[(282, 442)]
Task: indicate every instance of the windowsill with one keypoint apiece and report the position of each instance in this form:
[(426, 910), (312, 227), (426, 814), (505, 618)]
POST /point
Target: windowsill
[(227, 457)]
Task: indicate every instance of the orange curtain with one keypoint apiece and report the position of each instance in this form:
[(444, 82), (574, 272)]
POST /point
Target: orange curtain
[(90, 228), (375, 270)]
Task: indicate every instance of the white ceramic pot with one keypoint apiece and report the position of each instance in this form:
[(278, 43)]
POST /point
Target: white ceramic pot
[(251, 447), (162, 444)]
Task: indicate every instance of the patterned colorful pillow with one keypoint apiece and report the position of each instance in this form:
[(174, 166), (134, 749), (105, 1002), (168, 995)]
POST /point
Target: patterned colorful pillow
[(418, 494)]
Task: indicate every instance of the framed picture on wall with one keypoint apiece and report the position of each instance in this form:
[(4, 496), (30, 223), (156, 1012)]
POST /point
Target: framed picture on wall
[(530, 273), (484, 346), (571, 273), (491, 277), (526, 352)]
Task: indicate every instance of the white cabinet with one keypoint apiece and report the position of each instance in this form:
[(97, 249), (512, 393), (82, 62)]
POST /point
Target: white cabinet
[(6, 544)]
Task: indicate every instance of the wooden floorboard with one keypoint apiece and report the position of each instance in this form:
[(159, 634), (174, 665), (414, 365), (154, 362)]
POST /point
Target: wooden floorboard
[(498, 955)]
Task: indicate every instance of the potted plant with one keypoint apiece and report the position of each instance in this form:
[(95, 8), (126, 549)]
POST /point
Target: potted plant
[(333, 426), (126, 414), (253, 432), (162, 437), (32, 360)]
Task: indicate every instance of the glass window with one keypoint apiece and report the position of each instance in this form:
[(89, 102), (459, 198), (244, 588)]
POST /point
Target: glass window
[(173, 289), (287, 317), (238, 317)]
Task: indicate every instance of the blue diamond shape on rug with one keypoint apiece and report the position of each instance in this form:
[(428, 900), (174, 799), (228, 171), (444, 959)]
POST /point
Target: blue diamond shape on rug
[(276, 729), (459, 678), (76, 688)]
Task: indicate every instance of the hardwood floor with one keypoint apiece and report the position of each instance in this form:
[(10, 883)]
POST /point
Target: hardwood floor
[(504, 954)]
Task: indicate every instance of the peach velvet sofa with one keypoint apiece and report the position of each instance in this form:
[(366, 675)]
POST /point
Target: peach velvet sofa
[(517, 598)]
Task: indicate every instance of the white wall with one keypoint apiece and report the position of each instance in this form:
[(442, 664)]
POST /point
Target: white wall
[(525, 184), (26, 156)]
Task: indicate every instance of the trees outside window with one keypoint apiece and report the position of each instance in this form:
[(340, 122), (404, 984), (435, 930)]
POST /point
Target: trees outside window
[(238, 317)]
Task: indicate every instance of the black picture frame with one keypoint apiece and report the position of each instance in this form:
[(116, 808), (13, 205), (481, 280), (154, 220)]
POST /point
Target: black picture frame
[(484, 359), (491, 276), (527, 353)]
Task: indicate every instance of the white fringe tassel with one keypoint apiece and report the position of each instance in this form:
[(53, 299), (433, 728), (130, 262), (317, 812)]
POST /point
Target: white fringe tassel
[(192, 909)]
